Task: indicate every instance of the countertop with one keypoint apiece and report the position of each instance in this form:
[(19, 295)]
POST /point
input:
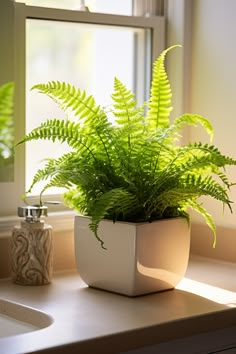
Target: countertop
[(88, 320)]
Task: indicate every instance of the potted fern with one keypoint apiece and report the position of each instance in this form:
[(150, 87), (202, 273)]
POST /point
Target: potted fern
[(133, 181)]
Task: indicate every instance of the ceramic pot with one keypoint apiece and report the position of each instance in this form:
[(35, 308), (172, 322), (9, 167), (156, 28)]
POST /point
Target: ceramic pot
[(140, 258)]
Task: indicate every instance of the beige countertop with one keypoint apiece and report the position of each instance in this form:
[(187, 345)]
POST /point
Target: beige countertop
[(93, 321)]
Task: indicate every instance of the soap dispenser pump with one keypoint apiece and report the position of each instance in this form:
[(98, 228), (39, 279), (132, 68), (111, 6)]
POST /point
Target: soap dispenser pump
[(31, 247)]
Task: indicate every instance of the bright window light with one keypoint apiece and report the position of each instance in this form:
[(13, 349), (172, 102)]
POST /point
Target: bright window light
[(213, 293), (83, 55)]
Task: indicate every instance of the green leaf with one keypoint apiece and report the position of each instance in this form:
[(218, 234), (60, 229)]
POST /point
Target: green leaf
[(120, 198), (207, 217), (159, 104), (194, 119)]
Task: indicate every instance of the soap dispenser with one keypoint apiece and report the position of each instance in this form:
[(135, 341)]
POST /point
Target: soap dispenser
[(31, 247)]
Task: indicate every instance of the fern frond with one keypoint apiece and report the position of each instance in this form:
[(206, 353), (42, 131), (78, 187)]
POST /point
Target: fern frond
[(178, 191), (165, 137), (63, 131), (159, 105), (94, 127), (198, 157), (124, 105), (119, 198), (59, 181), (124, 101), (206, 186), (42, 174), (207, 217), (193, 119), (54, 129), (70, 98), (53, 168), (75, 200), (222, 176), (129, 118)]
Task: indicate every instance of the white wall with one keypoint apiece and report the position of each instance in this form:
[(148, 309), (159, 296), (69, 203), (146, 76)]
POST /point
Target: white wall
[(213, 86)]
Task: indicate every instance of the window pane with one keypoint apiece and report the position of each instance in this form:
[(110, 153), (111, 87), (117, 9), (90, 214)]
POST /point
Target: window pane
[(87, 59), (121, 7)]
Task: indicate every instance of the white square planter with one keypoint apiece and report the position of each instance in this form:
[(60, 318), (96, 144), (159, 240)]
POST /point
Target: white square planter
[(140, 258)]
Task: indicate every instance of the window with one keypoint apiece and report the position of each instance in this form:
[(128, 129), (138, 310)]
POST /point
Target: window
[(121, 7), (87, 60), (138, 41)]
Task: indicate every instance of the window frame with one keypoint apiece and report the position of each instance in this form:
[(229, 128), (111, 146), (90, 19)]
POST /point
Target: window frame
[(11, 192)]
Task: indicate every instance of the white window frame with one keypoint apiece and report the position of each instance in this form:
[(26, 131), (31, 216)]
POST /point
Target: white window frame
[(11, 192)]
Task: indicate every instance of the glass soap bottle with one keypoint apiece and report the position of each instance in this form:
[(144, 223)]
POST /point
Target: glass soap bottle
[(31, 247)]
